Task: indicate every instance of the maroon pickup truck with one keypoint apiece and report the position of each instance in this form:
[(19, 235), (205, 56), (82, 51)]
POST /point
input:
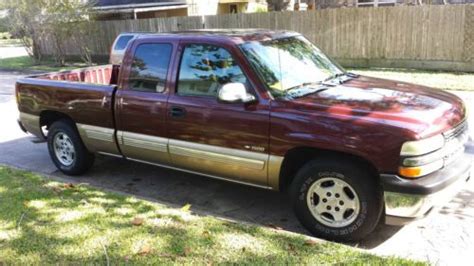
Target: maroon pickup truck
[(263, 108)]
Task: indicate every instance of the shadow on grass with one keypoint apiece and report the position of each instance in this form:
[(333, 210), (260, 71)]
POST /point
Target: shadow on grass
[(169, 188), (44, 221), (39, 219)]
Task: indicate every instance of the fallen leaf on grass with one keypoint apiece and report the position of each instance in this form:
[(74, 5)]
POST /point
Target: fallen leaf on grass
[(144, 250), (138, 221), (206, 234), (186, 251), (186, 207), (310, 242)]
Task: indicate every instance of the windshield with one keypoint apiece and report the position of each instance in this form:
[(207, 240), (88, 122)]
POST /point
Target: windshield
[(286, 63)]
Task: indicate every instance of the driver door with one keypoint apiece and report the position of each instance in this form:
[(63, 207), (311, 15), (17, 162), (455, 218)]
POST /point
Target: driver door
[(227, 140)]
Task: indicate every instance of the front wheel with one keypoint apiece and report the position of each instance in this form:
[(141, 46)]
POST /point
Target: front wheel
[(67, 150), (336, 200)]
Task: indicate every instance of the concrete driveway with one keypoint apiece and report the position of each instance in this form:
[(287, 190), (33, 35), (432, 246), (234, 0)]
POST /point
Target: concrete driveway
[(446, 237)]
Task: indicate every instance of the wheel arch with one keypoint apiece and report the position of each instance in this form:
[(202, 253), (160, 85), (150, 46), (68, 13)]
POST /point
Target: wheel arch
[(48, 117), (297, 157)]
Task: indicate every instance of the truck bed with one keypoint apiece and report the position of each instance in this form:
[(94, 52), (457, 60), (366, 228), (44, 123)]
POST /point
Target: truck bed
[(85, 95)]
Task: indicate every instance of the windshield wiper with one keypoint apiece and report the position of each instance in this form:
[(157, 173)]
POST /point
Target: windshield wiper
[(338, 75), (305, 89), (304, 85)]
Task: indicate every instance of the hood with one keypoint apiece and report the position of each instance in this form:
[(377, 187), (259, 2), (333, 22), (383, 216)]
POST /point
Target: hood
[(418, 109)]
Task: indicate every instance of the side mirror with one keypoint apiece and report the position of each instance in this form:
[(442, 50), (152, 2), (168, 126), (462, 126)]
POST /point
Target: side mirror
[(234, 93)]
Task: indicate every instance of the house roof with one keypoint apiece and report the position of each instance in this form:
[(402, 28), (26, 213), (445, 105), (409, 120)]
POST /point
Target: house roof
[(118, 4)]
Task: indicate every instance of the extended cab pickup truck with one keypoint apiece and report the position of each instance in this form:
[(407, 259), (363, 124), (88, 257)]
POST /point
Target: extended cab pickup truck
[(263, 108)]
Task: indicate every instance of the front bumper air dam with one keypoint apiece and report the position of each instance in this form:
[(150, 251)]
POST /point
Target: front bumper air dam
[(408, 200)]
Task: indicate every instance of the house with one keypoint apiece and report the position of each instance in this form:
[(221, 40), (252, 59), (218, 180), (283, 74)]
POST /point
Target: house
[(141, 9), (138, 9), (214, 7)]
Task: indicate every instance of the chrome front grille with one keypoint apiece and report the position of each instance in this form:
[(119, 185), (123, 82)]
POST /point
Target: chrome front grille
[(460, 131), (455, 139)]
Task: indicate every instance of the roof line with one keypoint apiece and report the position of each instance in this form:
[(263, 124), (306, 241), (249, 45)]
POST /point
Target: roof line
[(138, 5)]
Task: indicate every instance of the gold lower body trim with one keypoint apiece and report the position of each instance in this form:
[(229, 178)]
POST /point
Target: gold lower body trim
[(32, 124), (245, 166), (202, 174), (98, 139)]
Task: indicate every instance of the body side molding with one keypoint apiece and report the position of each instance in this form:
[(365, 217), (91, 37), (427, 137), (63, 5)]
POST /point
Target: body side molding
[(98, 139)]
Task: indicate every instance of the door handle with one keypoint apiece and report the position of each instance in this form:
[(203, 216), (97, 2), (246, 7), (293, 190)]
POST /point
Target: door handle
[(177, 111)]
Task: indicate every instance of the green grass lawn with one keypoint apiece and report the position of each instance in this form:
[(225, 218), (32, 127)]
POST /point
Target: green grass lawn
[(440, 80), (47, 222), (7, 40), (26, 63), (10, 42)]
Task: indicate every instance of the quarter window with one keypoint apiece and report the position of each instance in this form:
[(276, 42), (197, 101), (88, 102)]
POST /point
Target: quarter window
[(150, 67), (205, 68)]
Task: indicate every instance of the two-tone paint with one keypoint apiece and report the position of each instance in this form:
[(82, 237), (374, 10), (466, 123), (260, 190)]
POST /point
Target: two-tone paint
[(366, 118)]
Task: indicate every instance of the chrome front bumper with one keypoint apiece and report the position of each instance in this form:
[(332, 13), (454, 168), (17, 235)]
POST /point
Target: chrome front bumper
[(404, 208), (405, 202)]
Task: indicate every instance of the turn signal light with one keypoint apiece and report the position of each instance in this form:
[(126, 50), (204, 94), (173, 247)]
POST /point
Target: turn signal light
[(419, 171), (410, 172)]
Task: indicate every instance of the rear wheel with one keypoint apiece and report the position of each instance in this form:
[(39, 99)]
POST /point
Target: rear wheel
[(67, 150), (336, 200)]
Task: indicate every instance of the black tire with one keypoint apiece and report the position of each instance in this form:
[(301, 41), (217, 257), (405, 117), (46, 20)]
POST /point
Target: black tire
[(360, 180), (83, 159)]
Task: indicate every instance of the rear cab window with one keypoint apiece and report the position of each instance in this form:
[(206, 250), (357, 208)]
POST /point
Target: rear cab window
[(149, 67)]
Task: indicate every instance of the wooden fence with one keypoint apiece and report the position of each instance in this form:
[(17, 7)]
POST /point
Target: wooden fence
[(428, 37)]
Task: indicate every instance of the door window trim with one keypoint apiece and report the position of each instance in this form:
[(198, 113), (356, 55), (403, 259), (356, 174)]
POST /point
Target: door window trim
[(168, 72), (181, 48), (124, 75)]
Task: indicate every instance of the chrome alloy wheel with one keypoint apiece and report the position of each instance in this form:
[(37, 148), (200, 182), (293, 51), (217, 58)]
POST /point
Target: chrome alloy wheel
[(64, 149), (333, 202)]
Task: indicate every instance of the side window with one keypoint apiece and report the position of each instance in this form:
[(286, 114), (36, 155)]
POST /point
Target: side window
[(150, 67), (205, 68), (122, 42)]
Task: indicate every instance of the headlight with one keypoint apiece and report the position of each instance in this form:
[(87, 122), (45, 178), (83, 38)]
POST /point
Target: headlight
[(422, 157), (424, 146)]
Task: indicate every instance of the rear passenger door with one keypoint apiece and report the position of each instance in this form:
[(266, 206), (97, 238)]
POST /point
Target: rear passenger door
[(141, 103), (222, 139)]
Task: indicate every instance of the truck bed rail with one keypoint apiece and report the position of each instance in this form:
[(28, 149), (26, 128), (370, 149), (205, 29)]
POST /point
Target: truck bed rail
[(104, 75)]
